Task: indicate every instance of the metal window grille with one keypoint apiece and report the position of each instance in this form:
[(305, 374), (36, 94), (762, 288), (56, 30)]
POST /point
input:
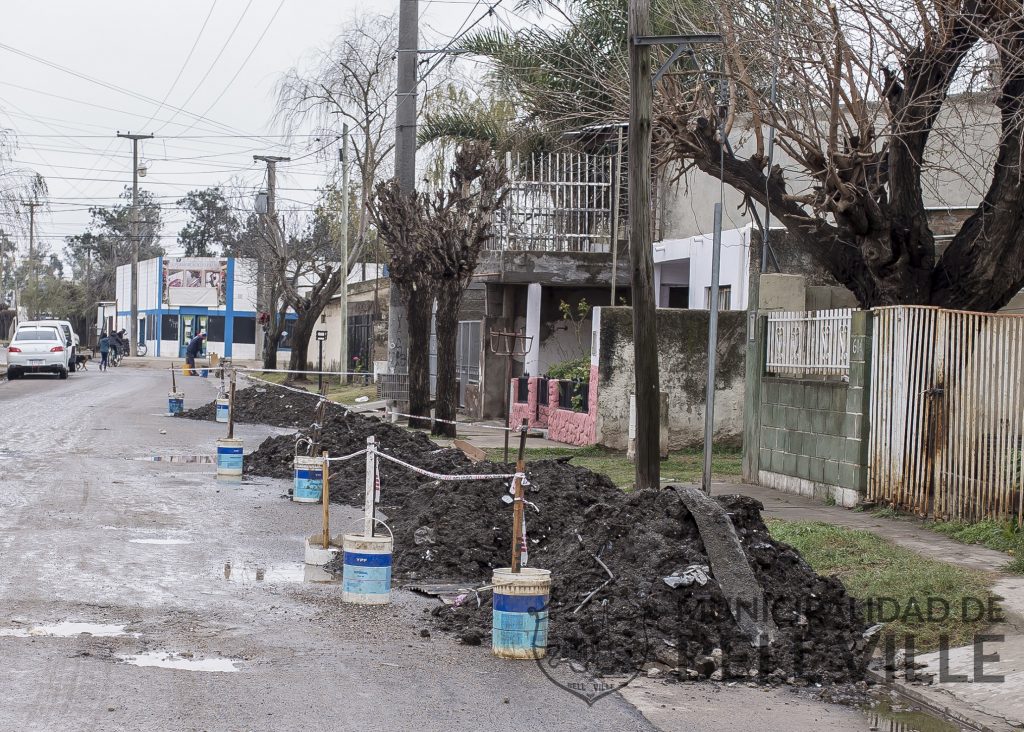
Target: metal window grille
[(812, 342), (556, 202)]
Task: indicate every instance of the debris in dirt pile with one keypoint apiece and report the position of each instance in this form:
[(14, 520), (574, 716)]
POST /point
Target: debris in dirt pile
[(637, 618), (265, 404)]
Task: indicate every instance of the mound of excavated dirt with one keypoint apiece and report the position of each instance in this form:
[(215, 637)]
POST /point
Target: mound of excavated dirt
[(460, 531), (266, 404), (637, 618)]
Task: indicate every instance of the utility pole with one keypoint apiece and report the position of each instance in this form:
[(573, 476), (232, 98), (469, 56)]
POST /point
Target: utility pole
[(133, 328), (33, 270), (645, 343), (405, 165), (271, 214), (344, 252)]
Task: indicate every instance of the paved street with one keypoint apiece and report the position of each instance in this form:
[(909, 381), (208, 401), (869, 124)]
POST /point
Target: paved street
[(164, 564)]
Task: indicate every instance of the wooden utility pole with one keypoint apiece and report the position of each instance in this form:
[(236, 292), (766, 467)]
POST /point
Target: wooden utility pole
[(133, 328), (344, 254), (405, 166), (645, 343), (271, 213), (33, 269)]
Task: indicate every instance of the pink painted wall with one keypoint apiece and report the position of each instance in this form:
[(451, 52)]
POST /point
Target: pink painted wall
[(573, 428), (535, 414)]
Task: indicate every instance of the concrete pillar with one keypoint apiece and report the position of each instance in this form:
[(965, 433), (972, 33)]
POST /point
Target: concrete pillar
[(533, 297), (657, 287)]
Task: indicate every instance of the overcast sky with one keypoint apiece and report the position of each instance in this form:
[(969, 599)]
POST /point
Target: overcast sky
[(65, 125)]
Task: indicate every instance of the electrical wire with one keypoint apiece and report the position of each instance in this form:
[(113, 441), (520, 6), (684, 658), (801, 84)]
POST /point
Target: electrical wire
[(213, 65)]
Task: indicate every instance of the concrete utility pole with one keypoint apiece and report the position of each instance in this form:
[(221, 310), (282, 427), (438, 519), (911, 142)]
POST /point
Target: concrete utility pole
[(271, 214), (33, 270), (645, 339), (405, 165), (133, 328), (344, 252)]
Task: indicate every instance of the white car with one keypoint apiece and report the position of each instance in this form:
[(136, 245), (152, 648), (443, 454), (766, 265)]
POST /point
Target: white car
[(70, 338), (37, 349)]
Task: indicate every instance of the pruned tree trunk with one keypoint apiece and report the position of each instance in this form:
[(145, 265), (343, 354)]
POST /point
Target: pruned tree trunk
[(308, 309), (446, 403), (273, 337), (419, 304)]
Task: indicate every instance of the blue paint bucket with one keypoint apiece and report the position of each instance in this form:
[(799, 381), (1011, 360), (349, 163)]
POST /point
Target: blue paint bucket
[(175, 402), (223, 408), (366, 569), (519, 620), (229, 459), (205, 373), (309, 479)]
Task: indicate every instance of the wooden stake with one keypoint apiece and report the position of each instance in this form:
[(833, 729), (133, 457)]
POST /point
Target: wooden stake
[(517, 503), (174, 384), (231, 407), (369, 502), (327, 500)]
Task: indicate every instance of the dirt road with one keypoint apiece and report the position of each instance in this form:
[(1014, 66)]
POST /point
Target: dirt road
[(170, 567)]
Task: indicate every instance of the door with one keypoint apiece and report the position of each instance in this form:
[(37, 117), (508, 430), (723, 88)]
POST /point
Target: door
[(188, 325)]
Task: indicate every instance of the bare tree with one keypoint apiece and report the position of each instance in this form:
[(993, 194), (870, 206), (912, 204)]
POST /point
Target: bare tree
[(399, 218), (458, 223), (352, 81)]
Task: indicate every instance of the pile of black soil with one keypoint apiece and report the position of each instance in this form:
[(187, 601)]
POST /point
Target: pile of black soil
[(637, 619), (586, 531), (345, 433), (266, 404)]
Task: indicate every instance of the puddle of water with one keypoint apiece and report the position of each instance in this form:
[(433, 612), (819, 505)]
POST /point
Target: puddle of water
[(890, 717), (190, 459), (249, 572), (65, 630), (162, 542), (178, 662)]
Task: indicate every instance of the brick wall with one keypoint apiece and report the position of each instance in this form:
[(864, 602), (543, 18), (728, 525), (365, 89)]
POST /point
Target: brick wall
[(568, 426), (812, 436)]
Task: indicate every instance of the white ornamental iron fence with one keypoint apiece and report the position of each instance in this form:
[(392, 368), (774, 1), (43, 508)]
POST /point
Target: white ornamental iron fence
[(814, 342)]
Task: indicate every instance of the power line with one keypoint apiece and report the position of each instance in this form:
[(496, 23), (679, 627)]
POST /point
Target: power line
[(184, 64), (244, 62), (213, 64)]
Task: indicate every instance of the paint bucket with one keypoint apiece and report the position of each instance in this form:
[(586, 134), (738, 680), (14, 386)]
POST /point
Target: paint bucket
[(519, 620), (366, 571), (175, 402), (223, 407), (205, 373), (229, 459), (309, 479)]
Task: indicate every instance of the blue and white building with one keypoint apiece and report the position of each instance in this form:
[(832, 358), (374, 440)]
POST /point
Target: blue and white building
[(179, 296)]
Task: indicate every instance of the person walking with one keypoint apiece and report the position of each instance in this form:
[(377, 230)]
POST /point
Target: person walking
[(104, 350), (194, 348)]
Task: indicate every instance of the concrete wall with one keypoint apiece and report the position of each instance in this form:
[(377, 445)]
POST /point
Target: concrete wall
[(675, 259), (810, 435), (682, 360)]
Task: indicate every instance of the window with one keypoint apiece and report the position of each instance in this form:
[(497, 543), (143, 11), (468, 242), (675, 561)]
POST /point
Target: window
[(245, 330), (169, 327), (679, 297), (41, 334), (724, 297), (215, 328)]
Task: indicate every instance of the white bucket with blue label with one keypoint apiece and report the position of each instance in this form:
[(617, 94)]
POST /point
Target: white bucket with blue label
[(519, 620), (223, 407), (175, 402), (309, 479), (229, 459), (366, 568)]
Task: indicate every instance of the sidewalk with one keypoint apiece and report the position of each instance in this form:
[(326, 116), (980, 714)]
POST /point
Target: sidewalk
[(995, 706)]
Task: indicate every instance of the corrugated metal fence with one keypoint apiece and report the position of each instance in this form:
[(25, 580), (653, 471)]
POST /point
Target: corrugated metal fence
[(947, 406)]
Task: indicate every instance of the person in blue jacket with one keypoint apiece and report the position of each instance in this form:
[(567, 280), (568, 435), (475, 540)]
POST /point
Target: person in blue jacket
[(194, 348)]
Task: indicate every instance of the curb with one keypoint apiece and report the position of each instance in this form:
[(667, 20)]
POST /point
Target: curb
[(939, 705)]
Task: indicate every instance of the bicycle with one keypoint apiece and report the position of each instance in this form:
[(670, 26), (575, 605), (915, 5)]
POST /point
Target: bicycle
[(115, 356), (141, 349)]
